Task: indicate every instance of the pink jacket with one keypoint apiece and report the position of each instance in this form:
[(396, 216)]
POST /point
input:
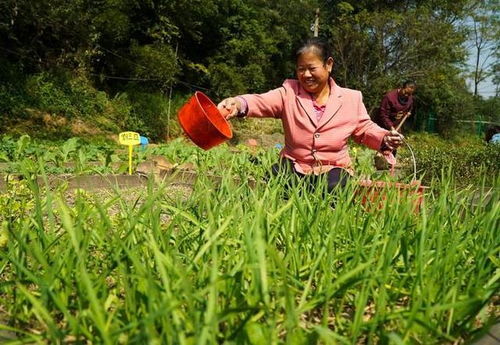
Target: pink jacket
[(314, 143)]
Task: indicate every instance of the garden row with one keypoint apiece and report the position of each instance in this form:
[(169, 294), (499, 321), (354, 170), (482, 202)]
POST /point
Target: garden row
[(427, 157)]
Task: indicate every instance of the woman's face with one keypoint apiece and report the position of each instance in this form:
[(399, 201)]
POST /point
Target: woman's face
[(408, 91), (312, 72)]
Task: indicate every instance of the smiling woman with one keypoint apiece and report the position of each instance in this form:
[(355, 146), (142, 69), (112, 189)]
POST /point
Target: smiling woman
[(314, 65), (318, 118)]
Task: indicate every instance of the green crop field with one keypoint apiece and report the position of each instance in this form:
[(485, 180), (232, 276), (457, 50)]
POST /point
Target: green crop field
[(232, 262)]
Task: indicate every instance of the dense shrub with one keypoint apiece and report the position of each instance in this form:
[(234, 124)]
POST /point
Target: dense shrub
[(13, 97), (468, 158), (73, 97), (151, 114), (64, 94), (11, 100)]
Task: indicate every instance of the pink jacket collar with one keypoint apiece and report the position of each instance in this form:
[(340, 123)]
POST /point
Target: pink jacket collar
[(333, 104)]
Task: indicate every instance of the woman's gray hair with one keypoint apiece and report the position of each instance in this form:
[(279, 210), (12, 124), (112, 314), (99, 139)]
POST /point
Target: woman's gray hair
[(318, 46)]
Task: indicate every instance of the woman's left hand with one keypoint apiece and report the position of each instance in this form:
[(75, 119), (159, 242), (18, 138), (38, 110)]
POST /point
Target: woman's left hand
[(393, 139), (230, 107)]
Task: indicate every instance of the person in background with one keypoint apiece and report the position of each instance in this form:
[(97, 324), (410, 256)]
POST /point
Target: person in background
[(396, 105), (318, 118)]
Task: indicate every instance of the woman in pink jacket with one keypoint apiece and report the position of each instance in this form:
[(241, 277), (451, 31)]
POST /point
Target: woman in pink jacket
[(318, 118)]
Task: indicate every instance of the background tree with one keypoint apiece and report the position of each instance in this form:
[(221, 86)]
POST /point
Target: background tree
[(485, 40), (496, 74), (377, 45), (134, 51)]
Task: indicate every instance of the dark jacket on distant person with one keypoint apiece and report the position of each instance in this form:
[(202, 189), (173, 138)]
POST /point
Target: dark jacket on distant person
[(392, 109)]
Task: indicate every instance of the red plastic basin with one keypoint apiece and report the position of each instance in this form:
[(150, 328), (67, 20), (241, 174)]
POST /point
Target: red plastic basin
[(373, 194), (203, 123)]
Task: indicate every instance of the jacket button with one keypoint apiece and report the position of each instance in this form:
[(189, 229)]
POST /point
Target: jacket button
[(316, 135)]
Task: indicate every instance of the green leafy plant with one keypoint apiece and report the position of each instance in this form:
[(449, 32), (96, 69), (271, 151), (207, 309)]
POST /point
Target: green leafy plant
[(471, 160), (226, 261)]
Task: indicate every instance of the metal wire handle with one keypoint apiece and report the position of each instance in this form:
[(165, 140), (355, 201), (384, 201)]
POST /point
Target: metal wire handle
[(413, 159)]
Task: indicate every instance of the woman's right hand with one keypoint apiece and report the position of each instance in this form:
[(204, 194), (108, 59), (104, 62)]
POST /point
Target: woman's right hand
[(393, 139), (229, 107)]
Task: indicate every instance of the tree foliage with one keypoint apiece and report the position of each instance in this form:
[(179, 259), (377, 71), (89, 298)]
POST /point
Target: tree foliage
[(377, 49), (227, 47), (485, 40)]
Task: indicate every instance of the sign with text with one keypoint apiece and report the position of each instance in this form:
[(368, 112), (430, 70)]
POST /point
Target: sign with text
[(129, 138)]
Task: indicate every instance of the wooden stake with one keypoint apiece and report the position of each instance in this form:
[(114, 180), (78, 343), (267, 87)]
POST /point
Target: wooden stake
[(316, 23), (402, 121)]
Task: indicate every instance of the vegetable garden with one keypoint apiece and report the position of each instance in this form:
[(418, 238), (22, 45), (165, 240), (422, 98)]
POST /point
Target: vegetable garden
[(229, 261)]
